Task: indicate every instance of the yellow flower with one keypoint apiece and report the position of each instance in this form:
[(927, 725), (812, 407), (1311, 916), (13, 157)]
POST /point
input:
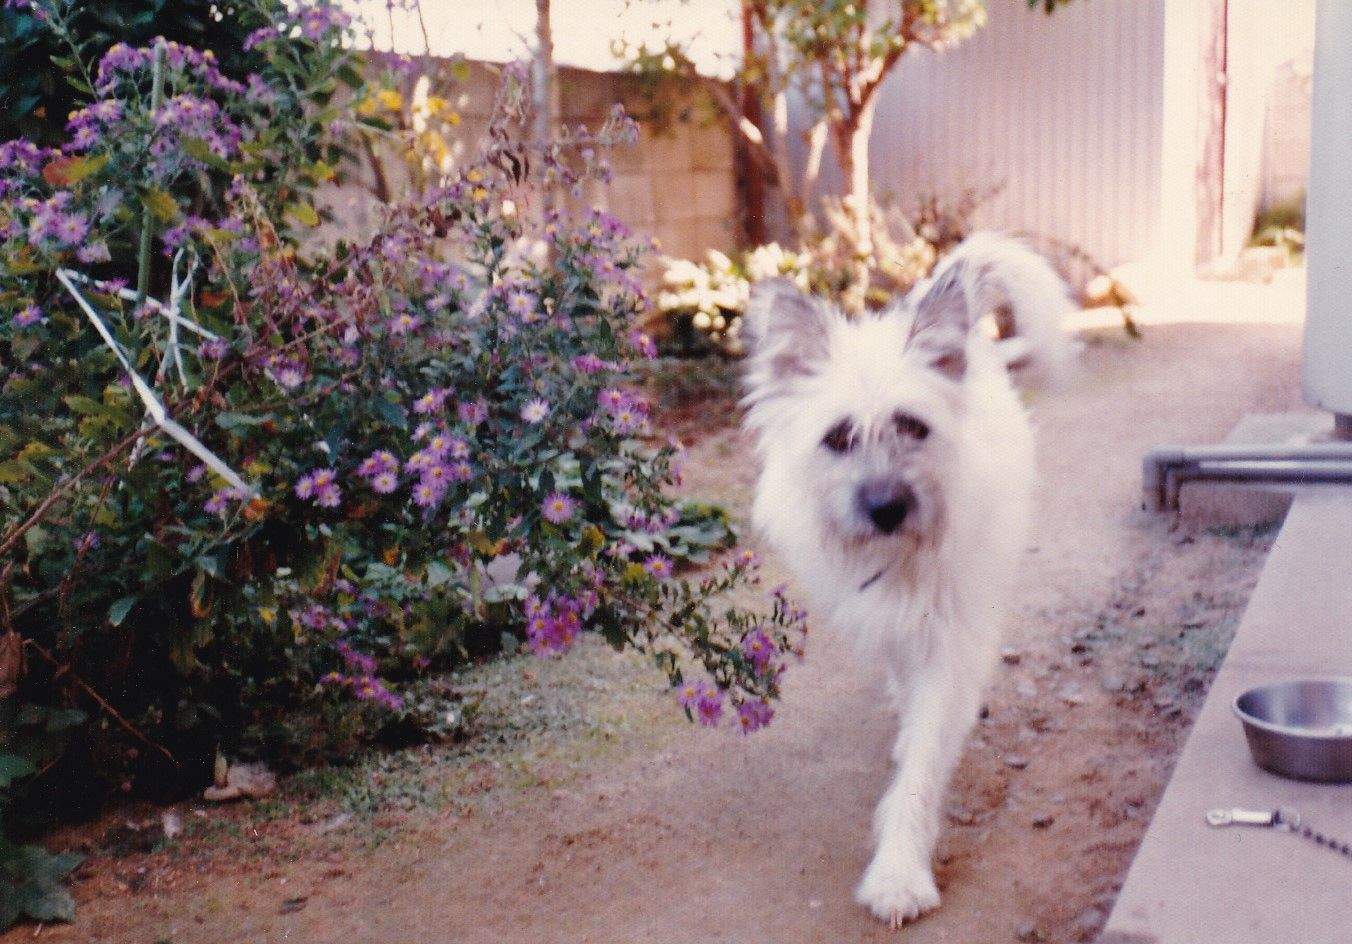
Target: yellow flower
[(391, 99)]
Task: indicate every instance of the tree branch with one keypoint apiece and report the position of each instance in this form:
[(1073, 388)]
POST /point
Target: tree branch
[(12, 538)]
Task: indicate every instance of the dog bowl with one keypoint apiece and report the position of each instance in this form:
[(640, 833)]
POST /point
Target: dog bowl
[(1300, 729)]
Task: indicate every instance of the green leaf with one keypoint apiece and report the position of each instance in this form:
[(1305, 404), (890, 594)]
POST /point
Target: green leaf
[(119, 610), (14, 471), (43, 901), (232, 422), (87, 406), (303, 213), (63, 719), (31, 885), (12, 767), (201, 150), (160, 561), (322, 172), (391, 413), (161, 205), (65, 171), (438, 574)]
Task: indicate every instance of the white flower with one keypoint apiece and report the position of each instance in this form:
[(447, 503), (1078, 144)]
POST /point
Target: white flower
[(535, 410)]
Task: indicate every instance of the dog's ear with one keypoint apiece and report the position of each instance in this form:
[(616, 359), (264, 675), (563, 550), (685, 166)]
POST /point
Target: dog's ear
[(786, 331), (942, 321)]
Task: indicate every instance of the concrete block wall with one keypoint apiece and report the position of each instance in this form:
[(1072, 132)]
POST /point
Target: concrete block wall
[(677, 184)]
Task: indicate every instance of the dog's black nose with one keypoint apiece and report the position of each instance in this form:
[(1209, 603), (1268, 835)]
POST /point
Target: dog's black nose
[(887, 506)]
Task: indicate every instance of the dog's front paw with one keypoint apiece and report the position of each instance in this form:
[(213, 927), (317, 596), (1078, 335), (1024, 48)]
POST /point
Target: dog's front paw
[(897, 893)]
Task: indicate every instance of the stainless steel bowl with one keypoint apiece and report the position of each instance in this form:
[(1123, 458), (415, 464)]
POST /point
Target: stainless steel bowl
[(1300, 729)]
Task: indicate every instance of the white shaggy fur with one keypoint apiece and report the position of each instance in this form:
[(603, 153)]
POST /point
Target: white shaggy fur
[(898, 466)]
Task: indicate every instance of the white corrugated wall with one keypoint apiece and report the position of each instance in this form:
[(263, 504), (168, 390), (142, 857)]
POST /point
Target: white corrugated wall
[(1062, 112)]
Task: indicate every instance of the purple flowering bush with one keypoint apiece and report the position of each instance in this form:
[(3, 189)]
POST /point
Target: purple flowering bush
[(243, 474)]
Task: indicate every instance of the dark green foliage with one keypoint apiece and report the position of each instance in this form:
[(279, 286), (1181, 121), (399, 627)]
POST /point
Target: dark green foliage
[(39, 84)]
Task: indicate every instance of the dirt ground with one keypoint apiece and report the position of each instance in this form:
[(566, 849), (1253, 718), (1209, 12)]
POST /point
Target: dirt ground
[(604, 817)]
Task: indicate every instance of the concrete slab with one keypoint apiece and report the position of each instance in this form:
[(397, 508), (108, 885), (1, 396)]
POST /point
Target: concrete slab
[(1195, 884)]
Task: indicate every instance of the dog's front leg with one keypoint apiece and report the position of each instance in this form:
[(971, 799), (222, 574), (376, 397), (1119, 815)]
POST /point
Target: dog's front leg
[(937, 710)]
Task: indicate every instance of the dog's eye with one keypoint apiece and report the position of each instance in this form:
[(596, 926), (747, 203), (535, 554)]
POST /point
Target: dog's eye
[(909, 426), (839, 438)]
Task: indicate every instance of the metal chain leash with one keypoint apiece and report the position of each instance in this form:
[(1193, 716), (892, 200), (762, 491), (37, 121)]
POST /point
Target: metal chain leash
[(1286, 820)]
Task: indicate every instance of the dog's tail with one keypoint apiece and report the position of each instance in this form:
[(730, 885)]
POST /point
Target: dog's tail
[(997, 277)]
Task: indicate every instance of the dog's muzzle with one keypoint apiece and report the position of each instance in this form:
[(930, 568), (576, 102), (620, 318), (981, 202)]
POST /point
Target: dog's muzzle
[(886, 504)]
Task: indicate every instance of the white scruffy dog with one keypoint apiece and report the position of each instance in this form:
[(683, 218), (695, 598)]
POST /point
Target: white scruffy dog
[(898, 466)]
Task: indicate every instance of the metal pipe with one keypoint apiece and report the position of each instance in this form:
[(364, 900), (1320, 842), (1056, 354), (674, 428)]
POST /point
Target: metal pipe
[(1166, 469)]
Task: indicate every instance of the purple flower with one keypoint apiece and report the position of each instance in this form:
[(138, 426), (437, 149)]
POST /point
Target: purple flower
[(403, 324), (754, 715), (535, 410), (366, 687), (356, 662), (212, 349), (746, 558), (471, 413), (658, 565), (522, 305), (314, 616), (759, 649), (626, 420), (552, 624), (316, 21), (377, 463), (260, 35), (330, 497), (93, 253), (219, 502), (626, 412), (644, 344), (709, 707), (557, 507), (28, 316), (87, 542), (321, 487), (285, 373), (691, 695), (42, 224), (420, 460), (22, 155), (590, 364), (437, 474), (383, 483), (431, 401), (425, 494)]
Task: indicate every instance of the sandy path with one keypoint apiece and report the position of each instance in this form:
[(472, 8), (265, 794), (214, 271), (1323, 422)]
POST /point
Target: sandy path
[(710, 837)]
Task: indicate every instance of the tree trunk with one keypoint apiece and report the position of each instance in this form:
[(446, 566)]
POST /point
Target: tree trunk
[(852, 137), (859, 193), (545, 90)]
